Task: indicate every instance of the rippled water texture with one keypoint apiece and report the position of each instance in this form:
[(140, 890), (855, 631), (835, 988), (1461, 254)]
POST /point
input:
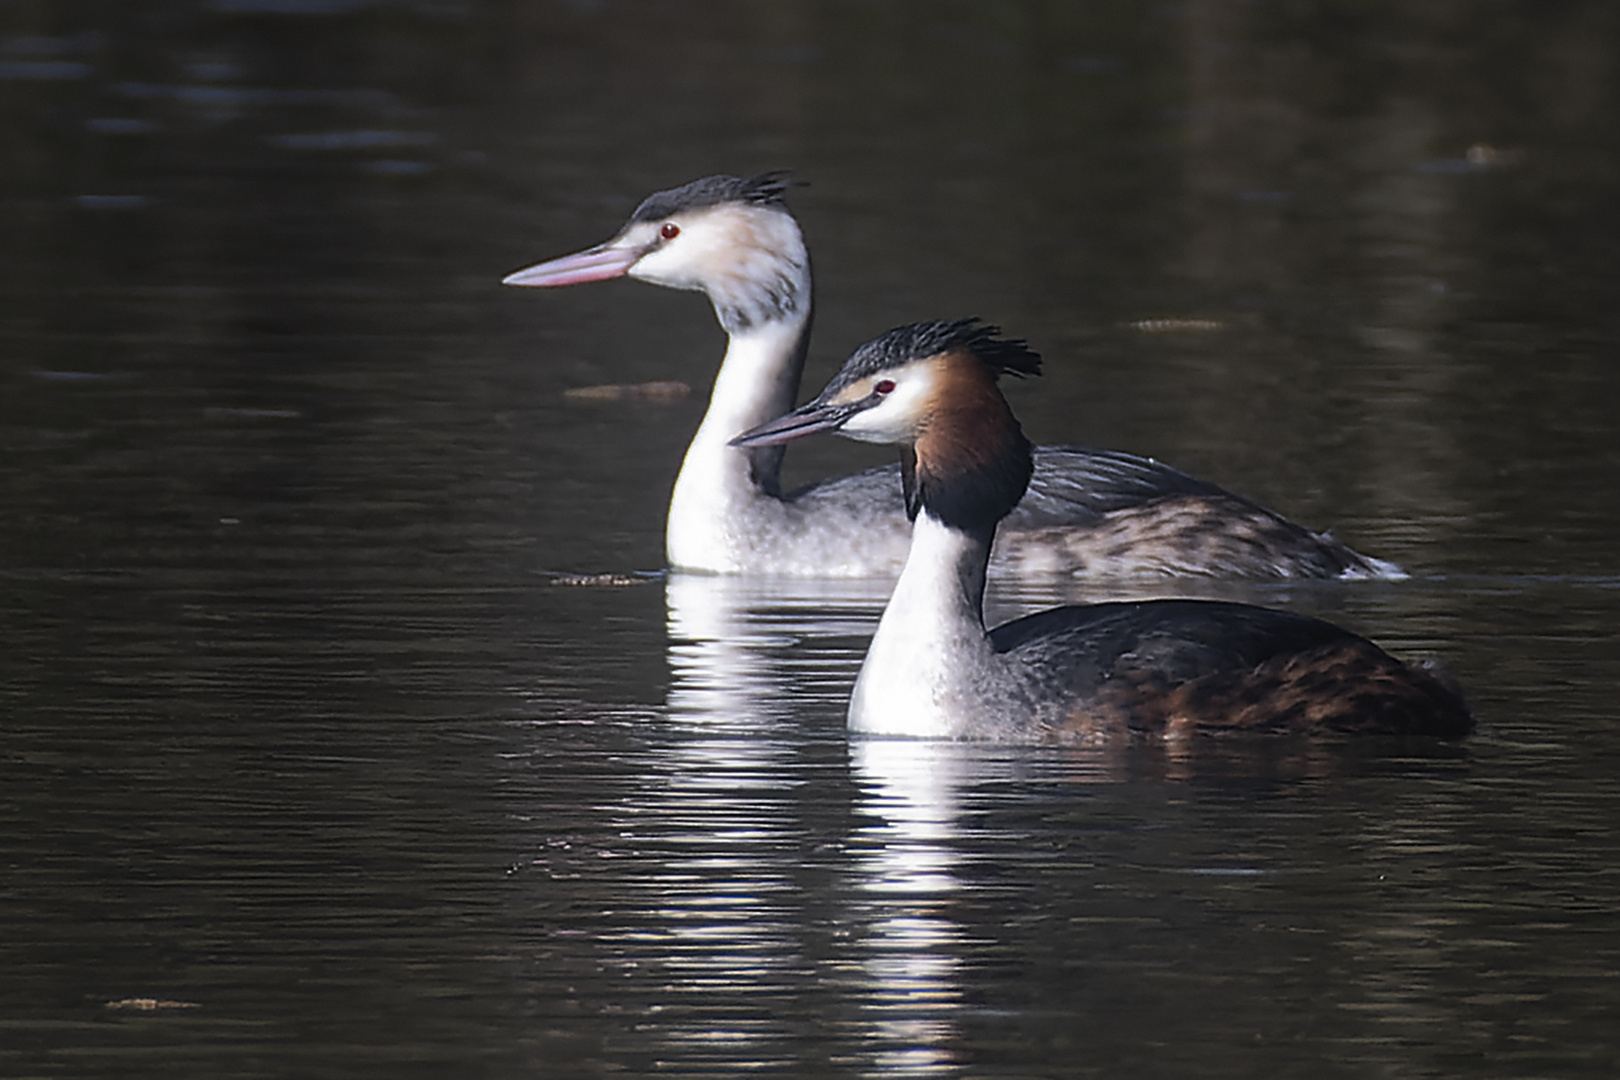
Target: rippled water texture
[(317, 761)]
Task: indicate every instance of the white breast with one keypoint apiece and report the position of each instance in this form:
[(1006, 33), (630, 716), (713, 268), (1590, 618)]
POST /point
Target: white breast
[(930, 654)]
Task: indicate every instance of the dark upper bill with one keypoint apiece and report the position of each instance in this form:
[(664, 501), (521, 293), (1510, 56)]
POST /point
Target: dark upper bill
[(805, 420)]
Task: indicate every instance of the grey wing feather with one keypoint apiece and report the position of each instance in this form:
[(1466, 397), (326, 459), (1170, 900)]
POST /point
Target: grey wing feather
[(1079, 485), (1105, 511), (1072, 485), (856, 493)]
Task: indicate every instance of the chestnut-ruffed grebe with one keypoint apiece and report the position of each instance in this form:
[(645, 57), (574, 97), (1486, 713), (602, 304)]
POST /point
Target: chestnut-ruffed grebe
[(1088, 512), (1097, 673)]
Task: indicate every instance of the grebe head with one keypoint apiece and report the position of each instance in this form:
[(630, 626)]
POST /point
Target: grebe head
[(729, 237), (931, 389)]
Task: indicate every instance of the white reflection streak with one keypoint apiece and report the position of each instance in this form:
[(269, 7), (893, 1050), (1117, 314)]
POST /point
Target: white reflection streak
[(727, 635), (913, 959), (716, 668), (729, 910)]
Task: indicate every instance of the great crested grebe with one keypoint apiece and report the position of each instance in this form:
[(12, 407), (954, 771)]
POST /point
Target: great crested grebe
[(1088, 512), (1086, 674)]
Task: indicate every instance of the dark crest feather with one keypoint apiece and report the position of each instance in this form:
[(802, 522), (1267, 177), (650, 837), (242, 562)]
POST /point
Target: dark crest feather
[(766, 189), (919, 340)]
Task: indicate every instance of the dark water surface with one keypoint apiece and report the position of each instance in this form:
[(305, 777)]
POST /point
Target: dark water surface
[(311, 766)]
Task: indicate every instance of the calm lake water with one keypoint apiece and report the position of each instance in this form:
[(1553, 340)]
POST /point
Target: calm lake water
[(313, 765)]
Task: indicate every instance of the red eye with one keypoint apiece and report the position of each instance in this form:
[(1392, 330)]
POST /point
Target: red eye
[(670, 230), (884, 386)]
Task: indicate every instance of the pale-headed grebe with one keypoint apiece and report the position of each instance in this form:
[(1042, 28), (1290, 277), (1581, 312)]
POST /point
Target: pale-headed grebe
[(1088, 674), (1088, 512)]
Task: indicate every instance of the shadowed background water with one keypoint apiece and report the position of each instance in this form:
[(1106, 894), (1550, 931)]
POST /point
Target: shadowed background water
[(312, 767)]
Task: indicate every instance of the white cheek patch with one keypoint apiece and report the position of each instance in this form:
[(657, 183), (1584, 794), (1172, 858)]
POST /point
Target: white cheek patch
[(709, 246), (898, 416), (749, 261), (702, 252), (670, 263)]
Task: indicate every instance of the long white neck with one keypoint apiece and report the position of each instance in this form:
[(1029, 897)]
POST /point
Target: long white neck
[(758, 381), (923, 670)]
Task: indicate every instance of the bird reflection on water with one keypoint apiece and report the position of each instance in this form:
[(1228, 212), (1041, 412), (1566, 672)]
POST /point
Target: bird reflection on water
[(883, 877), (752, 663), (747, 656)]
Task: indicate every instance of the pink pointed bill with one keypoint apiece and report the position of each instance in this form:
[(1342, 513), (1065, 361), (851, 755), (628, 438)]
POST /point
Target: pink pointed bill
[(597, 264)]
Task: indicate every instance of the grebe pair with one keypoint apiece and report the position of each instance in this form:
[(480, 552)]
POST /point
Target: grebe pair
[(1097, 674), (1091, 512)]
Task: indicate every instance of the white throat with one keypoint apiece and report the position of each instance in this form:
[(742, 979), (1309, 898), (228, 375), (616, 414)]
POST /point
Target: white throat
[(922, 673), (716, 489)]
